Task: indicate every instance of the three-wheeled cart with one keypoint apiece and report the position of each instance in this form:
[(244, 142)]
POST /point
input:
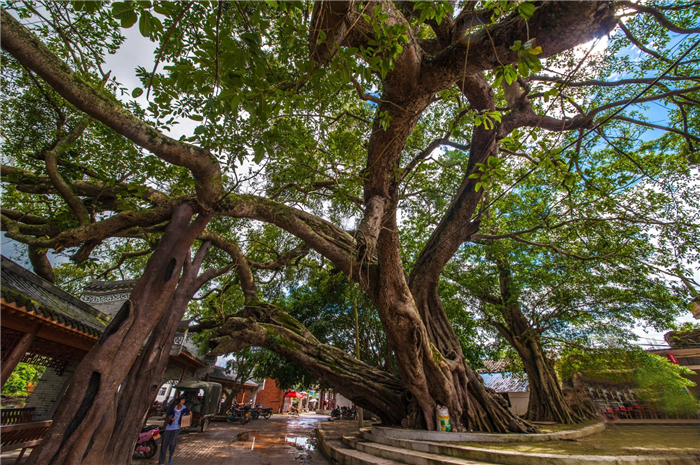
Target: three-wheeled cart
[(202, 398)]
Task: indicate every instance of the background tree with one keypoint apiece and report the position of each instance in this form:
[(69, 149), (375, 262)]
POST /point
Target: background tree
[(241, 365)]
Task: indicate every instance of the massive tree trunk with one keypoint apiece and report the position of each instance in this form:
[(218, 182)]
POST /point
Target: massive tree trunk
[(102, 371), (472, 407), (263, 325), (145, 377)]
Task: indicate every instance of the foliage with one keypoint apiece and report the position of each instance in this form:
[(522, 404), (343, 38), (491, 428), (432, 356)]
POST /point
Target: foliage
[(657, 381), (21, 378), (532, 147)]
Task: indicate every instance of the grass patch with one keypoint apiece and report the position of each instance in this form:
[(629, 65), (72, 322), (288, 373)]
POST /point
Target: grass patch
[(615, 440)]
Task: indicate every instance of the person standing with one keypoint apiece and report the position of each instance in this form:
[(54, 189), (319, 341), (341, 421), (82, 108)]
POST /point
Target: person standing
[(172, 429)]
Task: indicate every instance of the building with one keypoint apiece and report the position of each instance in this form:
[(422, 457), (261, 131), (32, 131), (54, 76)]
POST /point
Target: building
[(269, 395), (44, 325), (684, 350), (513, 387)]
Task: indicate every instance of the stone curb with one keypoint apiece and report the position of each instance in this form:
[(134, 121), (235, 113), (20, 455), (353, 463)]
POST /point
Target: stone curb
[(524, 458), (440, 436)]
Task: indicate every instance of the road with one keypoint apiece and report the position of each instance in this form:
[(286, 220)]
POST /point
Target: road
[(280, 440)]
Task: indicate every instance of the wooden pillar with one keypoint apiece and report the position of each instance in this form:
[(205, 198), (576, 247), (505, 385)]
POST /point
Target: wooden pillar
[(9, 365)]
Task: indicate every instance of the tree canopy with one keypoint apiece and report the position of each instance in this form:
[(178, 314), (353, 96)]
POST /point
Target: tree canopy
[(402, 146)]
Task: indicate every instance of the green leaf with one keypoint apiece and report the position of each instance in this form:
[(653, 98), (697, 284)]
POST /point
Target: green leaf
[(129, 19), (252, 38), (137, 92), (121, 8), (526, 9), (145, 24)]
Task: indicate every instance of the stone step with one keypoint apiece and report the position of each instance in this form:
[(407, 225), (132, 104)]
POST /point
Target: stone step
[(486, 455), (345, 455), (410, 457)]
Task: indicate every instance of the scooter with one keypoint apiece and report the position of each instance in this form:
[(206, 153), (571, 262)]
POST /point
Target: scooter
[(260, 411), (146, 446)]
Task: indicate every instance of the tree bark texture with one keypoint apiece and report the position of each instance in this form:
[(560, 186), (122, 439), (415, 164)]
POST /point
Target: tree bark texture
[(263, 325), (145, 377), (105, 367), (547, 401)]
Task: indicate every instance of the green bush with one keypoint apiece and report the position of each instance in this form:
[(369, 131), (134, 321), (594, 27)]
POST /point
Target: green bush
[(20, 379), (658, 382)]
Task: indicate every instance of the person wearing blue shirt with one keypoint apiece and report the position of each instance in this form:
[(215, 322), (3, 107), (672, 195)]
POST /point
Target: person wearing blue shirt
[(172, 430)]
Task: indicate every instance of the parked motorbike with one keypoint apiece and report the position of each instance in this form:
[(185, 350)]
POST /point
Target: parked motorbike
[(239, 414), (344, 413), (349, 413), (265, 412), (335, 413), (146, 446), (258, 411)]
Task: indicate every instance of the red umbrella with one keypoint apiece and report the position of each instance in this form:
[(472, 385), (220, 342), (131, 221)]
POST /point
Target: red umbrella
[(292, 394)]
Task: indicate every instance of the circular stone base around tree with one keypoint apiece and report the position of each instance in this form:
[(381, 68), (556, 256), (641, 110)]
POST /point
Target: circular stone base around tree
[(439, 436)]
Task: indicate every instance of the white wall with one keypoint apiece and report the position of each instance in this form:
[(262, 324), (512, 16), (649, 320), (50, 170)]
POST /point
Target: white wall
[(341, 401), (518, 402)]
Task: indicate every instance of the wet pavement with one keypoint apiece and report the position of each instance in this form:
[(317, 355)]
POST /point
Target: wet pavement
[(280, 440)]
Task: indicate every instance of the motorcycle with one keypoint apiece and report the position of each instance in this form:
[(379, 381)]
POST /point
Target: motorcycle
[(344, 413), (265, 412), (239, 414), (335, 413), (258, 411), (349, 413), (146, 446)]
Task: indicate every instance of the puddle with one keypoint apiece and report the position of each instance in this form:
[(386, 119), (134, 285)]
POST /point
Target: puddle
[(301, 442)]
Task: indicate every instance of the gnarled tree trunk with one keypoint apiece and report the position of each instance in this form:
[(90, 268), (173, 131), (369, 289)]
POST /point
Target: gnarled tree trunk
[(103, 370), (263, 325), (482, 410), (145, 377), (547, 402)]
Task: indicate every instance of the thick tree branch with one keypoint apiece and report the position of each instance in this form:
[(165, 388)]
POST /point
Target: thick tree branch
[(659, 17), (41, 264), (268, 327), (556, 26), (51, 157), (34, 55), (327, 239), (240, 263)]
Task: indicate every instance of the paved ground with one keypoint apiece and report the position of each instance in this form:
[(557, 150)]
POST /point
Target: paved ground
[(280, 440)]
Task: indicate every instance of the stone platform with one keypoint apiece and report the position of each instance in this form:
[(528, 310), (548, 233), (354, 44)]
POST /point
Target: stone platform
[(342, 442)]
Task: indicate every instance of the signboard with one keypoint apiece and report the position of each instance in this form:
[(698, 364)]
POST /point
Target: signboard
[(672, 358)]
